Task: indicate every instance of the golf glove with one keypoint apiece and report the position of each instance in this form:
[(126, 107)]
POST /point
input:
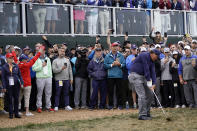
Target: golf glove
[(149, 84)]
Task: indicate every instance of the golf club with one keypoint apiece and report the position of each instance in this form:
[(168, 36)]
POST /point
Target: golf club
[(167, 118)]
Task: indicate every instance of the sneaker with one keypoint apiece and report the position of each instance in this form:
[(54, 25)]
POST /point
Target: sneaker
[(3, 112), (177, 106), (51, 110), (20, 113), (183, 106), (56, 109), (39, 110), (29, 114), (68, 108), (84, 107), (135, 106), (77, 107)]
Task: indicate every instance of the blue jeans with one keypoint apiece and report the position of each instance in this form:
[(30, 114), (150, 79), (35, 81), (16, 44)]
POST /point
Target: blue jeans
[(65, 88)]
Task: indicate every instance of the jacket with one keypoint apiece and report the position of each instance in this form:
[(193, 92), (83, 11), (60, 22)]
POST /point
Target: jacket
[(178, 6), (42, 72), (81, 67), (165, 69), (16, 74), (25, 69), (60, 74), (96, 69), (143, 65), (115, 71)]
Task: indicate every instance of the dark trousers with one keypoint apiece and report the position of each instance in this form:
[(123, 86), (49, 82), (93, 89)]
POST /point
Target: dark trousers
[(112, 82), (126, 92), (13, 95), (32, 102), (65, 88), (98, 85), (179, 94), (168, 91)]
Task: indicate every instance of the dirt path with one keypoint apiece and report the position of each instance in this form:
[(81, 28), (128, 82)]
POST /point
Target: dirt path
[(61, 115)]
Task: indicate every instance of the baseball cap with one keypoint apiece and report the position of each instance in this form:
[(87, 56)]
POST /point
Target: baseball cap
[(9, 55), (143, 49), (23, 57), (187, 47), (166, 50), (157, 52), (194, 41), (175, 53), (133, 46), (157, 46), (157, 32), (26, 48), (115, 43), (180, 42), (7, 47)]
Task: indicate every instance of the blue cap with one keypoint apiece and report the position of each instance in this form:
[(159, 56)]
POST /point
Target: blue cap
[(157, 52), (133, 46), (23, 57)]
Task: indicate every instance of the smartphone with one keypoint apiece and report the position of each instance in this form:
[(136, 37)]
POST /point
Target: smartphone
[(165, 34), (112, 31), (65, 64)]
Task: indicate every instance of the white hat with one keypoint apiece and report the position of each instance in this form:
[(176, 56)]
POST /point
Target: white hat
[(166, 50), (180, 42), (143, 49), (187, 47), (7, 47), (16, 47), (194, 41), (175, 52), (157, 46)]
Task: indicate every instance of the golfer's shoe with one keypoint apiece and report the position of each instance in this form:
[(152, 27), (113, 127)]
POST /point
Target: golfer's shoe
[(183, 106), (144, 118)]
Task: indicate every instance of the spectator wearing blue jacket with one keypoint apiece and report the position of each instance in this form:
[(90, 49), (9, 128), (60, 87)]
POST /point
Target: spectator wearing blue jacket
[(144, 78), (12, 81), (114, 62), (104, 15), (129, 61), (187, 76), (99, 75)]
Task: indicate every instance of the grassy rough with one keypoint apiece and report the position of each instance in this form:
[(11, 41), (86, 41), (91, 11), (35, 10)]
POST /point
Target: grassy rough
[(182, 120)]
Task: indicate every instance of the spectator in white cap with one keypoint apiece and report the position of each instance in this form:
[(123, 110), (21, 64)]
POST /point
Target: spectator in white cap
[(142, 49), (194, 47), (166, 77), (187, 76), (158, 47), (178, 88)]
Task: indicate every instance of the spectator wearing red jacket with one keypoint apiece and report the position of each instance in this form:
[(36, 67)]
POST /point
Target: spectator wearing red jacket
[(24, 67), (165, 4)]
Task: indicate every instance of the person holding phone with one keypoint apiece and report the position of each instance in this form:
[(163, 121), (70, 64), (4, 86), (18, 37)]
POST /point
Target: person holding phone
[(64, 78)]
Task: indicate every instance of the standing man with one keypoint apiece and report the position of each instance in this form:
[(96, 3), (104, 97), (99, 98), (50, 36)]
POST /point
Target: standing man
[(114, 62), (187, 76), (43, 70), (63, 77), (144, 78)]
